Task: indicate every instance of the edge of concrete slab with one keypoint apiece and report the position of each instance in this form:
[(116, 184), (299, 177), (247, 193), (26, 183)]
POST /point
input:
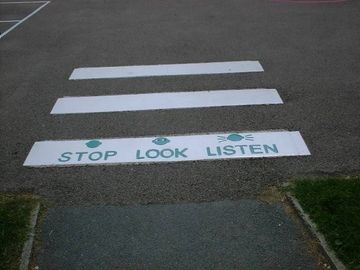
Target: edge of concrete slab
[(27, 248), (336, 263)]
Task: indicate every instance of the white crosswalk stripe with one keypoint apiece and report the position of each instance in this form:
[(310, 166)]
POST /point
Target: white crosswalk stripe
[(173, 100), (166, 70)]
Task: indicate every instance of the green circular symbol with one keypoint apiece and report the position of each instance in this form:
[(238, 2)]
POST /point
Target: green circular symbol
[(93, 143)]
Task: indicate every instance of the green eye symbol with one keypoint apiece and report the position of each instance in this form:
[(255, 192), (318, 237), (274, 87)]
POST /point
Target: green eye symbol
[(235, 138), (161, 141), (93, 144)]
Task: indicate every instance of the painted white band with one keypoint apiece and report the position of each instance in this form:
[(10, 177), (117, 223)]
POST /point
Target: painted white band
[(165, 70), (9, 21), (167, 149), (159, 101), (23, 2)]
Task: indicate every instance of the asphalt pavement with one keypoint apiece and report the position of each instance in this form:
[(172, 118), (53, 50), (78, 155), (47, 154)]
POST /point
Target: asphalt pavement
[(309, 52)]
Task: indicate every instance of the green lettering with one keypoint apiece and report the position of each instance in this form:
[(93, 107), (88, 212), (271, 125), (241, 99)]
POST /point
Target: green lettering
[(180, 153), (169, 155), (64, 157), (268, 148), (241, 148), (80, 154), (109, 154), (138, 155), (98, 155), (152, 153), (255, 149), (208, 151), (229, 150)]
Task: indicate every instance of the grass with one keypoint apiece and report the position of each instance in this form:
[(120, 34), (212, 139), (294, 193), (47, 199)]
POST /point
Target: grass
[(334, 205), (15, 213)]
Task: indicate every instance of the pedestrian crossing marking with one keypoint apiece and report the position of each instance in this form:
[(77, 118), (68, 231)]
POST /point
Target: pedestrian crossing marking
[(229, 145), (175, 148), (166, 70), (168, 100)]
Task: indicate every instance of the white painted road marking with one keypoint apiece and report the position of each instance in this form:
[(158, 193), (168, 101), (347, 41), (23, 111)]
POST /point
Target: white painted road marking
[(167, 149), (23, 2), (25, 18), (166, 70), (9, 21), (158, 101)]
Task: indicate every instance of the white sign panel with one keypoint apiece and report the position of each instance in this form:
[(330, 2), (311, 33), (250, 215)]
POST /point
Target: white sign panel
[(158, 101), (167, 149), (165, 70)]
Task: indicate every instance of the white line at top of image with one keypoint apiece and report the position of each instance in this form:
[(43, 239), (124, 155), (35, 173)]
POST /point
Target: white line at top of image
[(24, 2), (166, 70), (24, 19)]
